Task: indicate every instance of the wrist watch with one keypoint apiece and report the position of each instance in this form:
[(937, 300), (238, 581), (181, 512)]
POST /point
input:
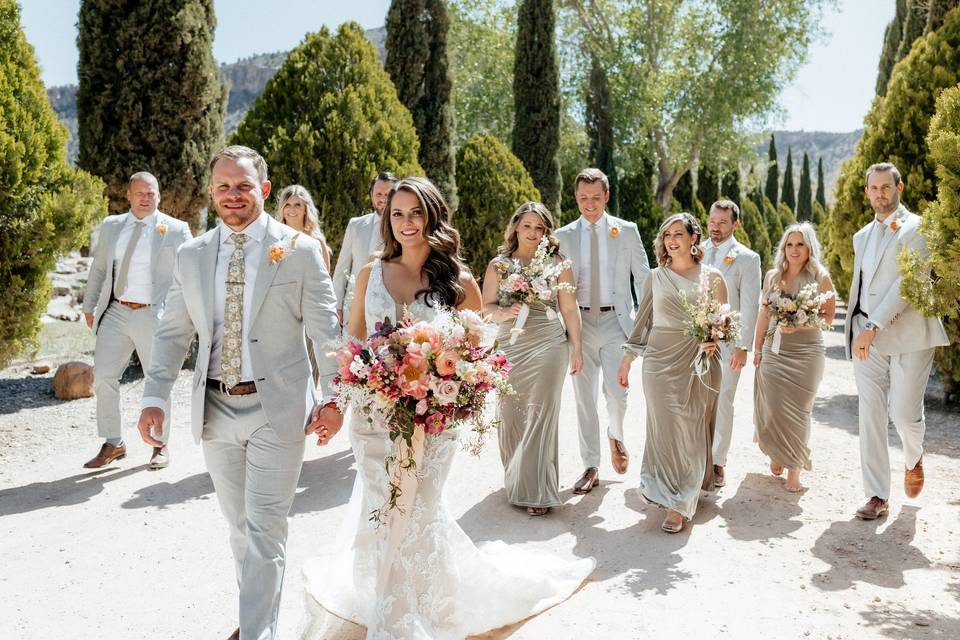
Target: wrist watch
[(871, 326)]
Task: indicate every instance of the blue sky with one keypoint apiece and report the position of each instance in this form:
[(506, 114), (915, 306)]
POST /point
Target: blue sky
[(832, 92)]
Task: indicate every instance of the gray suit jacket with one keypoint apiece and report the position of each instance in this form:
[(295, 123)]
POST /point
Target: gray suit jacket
[(354, 253), (902, 328), (289, 296), (163, 250), (743, 280), (625, 255)]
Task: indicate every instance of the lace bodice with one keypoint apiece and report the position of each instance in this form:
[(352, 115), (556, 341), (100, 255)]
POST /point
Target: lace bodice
[(379, 304)]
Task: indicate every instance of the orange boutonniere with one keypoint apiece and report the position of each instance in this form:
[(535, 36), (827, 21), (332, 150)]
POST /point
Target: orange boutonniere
[(161, 228), (279, 252), (894, 226), (614, 231), (728, 260)]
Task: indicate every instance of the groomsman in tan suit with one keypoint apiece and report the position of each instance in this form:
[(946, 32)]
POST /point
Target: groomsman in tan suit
[(604, 252), (129, 278), (361, 240), (740, 268), (249, 289), (891, 344)]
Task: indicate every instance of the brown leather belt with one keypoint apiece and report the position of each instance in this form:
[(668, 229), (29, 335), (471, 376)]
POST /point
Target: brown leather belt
[(133, 305), (239, 389), (602, 309)]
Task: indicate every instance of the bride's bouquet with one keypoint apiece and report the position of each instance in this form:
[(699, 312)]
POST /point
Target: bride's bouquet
[(798, 311), (535, 283), (422, 376), (708, 321)]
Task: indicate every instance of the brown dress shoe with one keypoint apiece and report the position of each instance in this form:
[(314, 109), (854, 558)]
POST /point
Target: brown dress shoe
[(586, 483), (108, 453), (913, 480), (718, 480), (160, 458), (235, 635), (874, 508), (619, 456)]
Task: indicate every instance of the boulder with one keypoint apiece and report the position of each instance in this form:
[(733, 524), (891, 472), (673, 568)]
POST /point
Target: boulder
[(73, 380)]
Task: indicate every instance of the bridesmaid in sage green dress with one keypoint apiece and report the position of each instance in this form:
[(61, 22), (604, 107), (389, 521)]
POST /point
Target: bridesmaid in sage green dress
[(681, 407), (530, 418), (786, 382)]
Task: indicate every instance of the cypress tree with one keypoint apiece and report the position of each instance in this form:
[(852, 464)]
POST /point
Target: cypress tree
[(786, 215), (805, 193), (638, 204), (819, 215), (536, 99), (600, 127), (46, 206), (754, 229), (708, 186), (936, 12), (789, 195), (914, 24), (352, 126), (417, 62), (772, 191), (683, 193), (150, 98), (730, 186), (773, 222), (891, 44), (821, 193)]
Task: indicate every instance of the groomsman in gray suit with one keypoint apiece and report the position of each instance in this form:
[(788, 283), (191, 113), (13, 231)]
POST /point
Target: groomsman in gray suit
[(129, 278), (740, 268), (361, 240), (891, 344), (248, 290), (605, 252)]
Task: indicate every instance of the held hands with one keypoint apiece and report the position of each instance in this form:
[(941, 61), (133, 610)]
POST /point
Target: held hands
[(89, 319), (151, 422), (861, 344), (739, 359), (325, 422), (623, 373)]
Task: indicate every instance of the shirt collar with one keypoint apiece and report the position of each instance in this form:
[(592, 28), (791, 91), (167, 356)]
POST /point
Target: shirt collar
[(724, 246), (256, 230), (890, 218), (150, 220), (601, 223)]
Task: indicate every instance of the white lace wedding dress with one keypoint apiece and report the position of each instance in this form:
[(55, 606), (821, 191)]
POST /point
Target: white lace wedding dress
[(440, 585)]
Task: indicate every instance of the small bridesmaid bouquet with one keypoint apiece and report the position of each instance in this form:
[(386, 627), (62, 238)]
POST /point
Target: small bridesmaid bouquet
[(800, 310), (708, 321), (536, 283)]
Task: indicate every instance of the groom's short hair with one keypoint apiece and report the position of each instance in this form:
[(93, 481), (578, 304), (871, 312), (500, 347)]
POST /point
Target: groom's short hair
[(239, 152), (883, 167), (591, 176), (727, 205)]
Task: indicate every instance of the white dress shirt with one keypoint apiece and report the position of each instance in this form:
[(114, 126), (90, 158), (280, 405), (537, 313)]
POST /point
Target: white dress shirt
[(583, 273), (871, 255), (252, 251), (139, 278), (717, 252)]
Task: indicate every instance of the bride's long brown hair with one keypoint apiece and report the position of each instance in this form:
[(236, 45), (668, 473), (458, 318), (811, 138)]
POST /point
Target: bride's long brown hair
[(444, 264)]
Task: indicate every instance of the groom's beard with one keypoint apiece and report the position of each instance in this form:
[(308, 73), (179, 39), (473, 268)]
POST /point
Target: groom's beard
[(889, 208)]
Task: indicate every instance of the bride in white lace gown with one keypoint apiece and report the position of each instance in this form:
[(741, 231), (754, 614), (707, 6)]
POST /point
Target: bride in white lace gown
[(435, 583)]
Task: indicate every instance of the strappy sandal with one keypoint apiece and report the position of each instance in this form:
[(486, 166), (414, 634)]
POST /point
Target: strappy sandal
[(538, 511)]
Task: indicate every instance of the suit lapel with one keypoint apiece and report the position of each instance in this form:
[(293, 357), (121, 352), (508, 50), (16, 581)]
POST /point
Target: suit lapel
[(156, 240), (733, 251), (207, 263), (613, 243), (267, 270), (575, 236)]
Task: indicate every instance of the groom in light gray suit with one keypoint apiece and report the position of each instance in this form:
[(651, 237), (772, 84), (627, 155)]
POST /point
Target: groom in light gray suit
[(740, 268), (131, 272), (605, 252), (891, 344), (248, 290), (361, 240)]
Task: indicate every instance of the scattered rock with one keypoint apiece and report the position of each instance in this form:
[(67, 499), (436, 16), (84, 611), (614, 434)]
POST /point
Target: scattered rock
[(73, 380), (39, 369)]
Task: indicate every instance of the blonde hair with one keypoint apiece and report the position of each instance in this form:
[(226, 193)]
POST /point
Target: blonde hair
[(510, 242), (311, 218), (693, 228), (814, 266)]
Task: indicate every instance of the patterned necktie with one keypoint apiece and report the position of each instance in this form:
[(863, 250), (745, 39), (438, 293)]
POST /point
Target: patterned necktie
[(233, 315), (120, 285), (594, 272)]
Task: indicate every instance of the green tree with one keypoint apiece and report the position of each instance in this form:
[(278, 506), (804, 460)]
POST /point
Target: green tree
[(730, 185), (788, 195), (708, 185), (787, 217), (600, 127), (821, 188), (818, 215), (329, 119), (804, 194), (536, 95), (773, 222), (895, 130), (493, 183), (936, 11), (683, 194), (891, 44), (418, 65), (677, 70), (932, 283), (150, 98), (638, 204), (754, 229), (46, 206), (772, 191), (914, 24)]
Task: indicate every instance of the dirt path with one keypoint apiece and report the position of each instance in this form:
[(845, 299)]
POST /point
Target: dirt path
[(128, 553)]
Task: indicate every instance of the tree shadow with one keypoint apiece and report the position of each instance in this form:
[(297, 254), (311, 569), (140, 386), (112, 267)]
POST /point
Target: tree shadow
[(857, 551), (761, 509), (894, 620), (73, 490)]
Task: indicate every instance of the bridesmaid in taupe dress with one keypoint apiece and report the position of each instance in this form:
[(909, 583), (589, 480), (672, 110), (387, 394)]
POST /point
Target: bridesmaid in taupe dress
[(530, 419), (786, 383), (681, 408)]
